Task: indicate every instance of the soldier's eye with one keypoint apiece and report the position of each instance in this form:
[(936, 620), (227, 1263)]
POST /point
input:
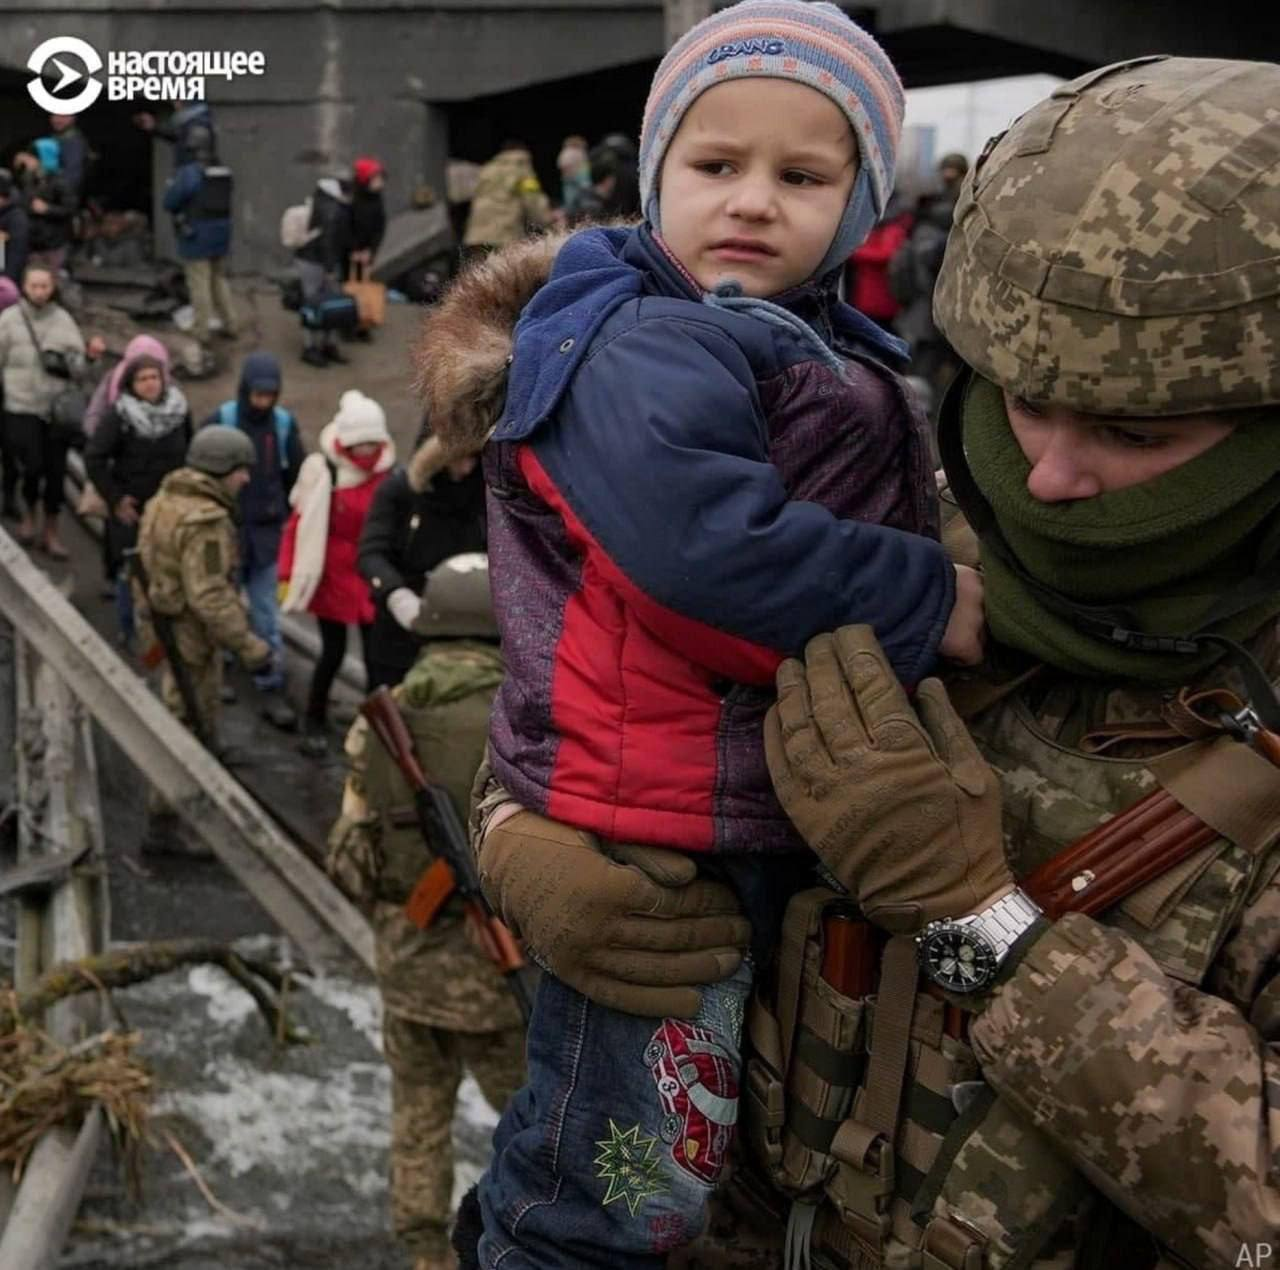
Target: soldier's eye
[(1029, 408), (1136, 440)]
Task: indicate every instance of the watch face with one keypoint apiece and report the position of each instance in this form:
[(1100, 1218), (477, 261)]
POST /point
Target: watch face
[(958, 959)]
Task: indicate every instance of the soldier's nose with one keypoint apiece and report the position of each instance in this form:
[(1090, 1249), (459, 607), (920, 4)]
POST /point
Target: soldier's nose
[(1062, 473)]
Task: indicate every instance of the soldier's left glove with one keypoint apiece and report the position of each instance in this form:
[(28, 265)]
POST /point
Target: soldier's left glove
[(897, 802), (256, 654)]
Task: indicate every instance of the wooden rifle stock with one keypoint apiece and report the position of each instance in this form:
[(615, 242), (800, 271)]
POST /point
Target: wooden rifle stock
[(1129, 850), (452, 869)]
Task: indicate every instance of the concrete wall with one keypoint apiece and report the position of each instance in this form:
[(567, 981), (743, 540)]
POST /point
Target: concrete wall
[(361, 78)]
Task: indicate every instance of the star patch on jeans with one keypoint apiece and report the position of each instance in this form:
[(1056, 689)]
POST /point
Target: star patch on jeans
[(629, 1162)]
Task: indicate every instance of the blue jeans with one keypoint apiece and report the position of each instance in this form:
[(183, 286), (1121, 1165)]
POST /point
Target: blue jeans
[(264, 621), (608, 1155)]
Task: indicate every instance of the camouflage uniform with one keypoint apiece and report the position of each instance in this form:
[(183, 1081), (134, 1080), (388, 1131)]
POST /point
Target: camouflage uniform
[(1117, 252), (446, 1008), (508, 201), (189, 546)]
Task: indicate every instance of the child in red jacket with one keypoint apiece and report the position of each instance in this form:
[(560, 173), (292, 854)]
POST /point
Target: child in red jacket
[(317, 568)]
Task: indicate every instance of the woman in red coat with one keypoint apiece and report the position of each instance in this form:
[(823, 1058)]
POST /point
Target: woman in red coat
[(317, 566)]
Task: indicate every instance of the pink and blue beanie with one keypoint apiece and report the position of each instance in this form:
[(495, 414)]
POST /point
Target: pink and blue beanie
[(810, 43)]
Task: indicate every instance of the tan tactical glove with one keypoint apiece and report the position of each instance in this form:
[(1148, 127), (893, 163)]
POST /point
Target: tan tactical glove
[(637, 934), (255, 653), (897, 803)]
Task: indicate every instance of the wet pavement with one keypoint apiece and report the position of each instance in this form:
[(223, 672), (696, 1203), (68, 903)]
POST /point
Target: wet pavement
[(291, 1142)]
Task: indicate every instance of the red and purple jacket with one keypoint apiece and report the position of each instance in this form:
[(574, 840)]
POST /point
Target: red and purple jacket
[(680, 497)]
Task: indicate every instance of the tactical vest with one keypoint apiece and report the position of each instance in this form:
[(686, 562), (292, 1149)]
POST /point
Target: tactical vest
[(831, 1079)]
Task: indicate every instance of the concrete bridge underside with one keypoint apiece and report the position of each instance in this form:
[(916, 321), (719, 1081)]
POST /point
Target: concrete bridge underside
[(414, 82)]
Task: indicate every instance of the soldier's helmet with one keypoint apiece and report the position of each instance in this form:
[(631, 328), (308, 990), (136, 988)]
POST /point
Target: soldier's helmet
[(218, 450), (456, 600), (1117, 250)]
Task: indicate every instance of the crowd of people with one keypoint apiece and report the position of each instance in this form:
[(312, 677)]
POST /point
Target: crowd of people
[(833, 796)]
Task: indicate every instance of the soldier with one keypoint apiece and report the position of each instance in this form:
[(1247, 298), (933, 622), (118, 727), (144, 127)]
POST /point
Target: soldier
[(187, 544), (446, 1008), (1081, 1090), (508, 202)]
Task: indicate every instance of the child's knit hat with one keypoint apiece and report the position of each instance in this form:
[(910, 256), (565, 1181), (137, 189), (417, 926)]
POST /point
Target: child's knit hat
[(810, 43)]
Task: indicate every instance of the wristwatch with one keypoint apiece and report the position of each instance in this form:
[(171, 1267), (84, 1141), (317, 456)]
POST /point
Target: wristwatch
[(963, 954)]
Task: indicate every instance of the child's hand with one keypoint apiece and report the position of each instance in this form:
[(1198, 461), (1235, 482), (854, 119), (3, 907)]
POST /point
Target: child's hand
[(966, 632)]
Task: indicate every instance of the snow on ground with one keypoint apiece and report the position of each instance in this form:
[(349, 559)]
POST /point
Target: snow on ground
[(294, 1142)]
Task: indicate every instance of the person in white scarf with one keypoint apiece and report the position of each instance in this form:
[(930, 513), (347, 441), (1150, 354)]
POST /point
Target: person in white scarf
[(317, 566), (137, 443)]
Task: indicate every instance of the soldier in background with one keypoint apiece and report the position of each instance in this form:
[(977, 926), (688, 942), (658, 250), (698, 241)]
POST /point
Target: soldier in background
[(508, 202), (188, 545), (446, 1008)]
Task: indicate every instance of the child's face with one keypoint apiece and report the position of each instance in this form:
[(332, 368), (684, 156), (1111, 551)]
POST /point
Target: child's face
[(755, 182)]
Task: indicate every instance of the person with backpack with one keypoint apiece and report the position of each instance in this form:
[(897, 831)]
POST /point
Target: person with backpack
[(264, 508), (320, 258), (318, 550), (199, 199), (50, 205)]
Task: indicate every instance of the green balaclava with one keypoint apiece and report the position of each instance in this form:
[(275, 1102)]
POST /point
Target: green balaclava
[(1156, 558)]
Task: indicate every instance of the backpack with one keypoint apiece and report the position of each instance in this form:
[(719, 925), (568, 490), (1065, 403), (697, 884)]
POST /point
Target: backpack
[(295, 226), (229, 417)]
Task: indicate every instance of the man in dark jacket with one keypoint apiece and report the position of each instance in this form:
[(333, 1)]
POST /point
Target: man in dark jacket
[(75, 153), (15, 228), (321, 262), (264, 507), (50, 206), (423, 513), (190, 124), (199, 199)]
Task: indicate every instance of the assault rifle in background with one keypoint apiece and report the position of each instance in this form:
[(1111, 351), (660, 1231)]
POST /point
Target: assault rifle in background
[(454, 867)]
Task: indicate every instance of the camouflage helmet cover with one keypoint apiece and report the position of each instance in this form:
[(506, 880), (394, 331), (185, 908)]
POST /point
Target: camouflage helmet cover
[(218, 450), (1117, 250)]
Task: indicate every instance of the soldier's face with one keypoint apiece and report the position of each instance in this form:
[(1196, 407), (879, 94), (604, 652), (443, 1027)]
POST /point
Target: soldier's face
[(755, 183), (1075, 455), (236, 480)]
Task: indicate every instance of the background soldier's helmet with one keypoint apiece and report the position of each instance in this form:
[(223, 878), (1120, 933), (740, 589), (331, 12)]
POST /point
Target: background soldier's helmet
[(1117, 250), (456, 600), (218, 450)]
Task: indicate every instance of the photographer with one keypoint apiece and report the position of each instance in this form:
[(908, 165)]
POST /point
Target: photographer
[(41, 351)]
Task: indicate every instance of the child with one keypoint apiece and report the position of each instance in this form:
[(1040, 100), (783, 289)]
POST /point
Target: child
[(702, 463), (330, 500)]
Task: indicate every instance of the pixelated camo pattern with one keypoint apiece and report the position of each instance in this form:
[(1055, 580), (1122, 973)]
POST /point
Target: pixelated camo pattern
[(1118, 250), (1182, 1124)]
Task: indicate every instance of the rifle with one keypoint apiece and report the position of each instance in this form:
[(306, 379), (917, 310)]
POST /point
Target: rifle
[(1141, 843), (166, 646), (454, 867)]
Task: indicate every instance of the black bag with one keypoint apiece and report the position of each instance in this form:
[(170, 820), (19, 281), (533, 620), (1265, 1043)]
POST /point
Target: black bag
[(332, 313), (291, 294), (67, 409)]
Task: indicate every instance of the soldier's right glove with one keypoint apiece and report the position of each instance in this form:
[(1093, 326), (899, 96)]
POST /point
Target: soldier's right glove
[(637, 934), (897, 802), (256, 654)]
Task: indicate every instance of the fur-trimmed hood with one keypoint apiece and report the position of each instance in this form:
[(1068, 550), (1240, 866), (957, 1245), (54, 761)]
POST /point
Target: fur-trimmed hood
[(464, 349)]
